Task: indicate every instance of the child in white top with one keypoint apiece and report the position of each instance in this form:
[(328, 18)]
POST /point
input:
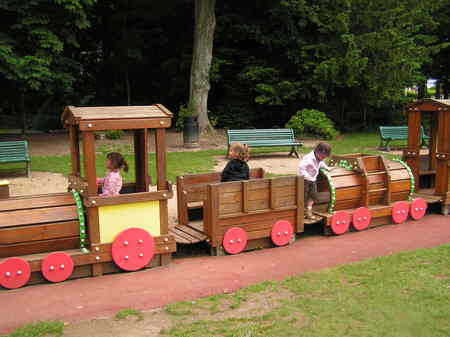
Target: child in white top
[(309, 168)]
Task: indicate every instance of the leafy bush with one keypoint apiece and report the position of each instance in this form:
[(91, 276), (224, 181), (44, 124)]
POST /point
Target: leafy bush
[(183, 112), (312, 122), (114, 134)]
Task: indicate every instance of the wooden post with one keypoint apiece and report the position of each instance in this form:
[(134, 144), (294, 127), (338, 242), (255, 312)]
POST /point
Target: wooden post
[(74, 150), (443, 153), (414, 118), (4, 189), (90, 177), (213, 199), (245, 200), (364, 183), (160, 145), (433, 140), (141, 160), (181, 202), (388, 180), (300, 205), (272, 195)]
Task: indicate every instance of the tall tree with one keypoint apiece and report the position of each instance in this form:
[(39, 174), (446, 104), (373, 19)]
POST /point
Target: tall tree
[(205, 23), (37, 41)]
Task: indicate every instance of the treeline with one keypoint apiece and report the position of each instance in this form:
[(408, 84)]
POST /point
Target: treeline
[(351, 59)]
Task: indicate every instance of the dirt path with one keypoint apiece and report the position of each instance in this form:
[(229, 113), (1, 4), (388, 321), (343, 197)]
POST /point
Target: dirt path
[(191, 278)]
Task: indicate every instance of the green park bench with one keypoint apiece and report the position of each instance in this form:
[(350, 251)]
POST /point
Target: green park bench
[(264, 138), (14, 152), (389, 133)]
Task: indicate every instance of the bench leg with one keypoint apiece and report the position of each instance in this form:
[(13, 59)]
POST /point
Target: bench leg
[(294, 151), (29, 169), (388, 149)]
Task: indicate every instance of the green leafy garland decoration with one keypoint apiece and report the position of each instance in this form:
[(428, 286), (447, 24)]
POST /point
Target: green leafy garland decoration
[(80, 213), (327, 174), (345, 164), (411, 177)]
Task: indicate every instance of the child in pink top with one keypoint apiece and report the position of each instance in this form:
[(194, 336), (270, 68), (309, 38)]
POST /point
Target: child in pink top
[(112, 182)]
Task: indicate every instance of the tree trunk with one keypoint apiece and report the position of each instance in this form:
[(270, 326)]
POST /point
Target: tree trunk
[(127, 66), (422, 90), (438, 89), (205, 23), (445, 87), (23, 112)]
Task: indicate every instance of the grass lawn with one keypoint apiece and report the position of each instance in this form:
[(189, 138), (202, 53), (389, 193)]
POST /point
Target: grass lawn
[(195, 162), (402, 295)]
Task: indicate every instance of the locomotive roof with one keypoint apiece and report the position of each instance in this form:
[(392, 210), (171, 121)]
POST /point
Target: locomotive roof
[(430, 104), (74, 114)]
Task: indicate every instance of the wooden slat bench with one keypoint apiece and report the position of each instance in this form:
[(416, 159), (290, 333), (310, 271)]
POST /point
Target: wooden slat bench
[(192, 191), (390, 133), (15, 152), (264, 138), (37, 224)]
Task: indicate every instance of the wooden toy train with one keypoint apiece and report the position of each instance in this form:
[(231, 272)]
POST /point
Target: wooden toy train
[(68, 235)]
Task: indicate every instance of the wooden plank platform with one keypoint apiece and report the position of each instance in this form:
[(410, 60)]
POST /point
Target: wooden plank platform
[(428, 195), (188, 234)]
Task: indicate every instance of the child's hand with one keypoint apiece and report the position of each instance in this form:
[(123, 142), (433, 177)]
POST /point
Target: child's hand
[(98, 181)]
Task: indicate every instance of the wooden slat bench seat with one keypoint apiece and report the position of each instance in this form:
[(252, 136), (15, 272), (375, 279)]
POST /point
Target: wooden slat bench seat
[(264, 138), (192, 191), (390, 133), (37, 224), (15, 152)]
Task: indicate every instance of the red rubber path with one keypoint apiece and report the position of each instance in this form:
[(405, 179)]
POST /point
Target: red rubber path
[(190, 278)]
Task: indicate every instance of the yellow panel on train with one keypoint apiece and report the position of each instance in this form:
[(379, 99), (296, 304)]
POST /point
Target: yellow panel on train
[(116, 218)]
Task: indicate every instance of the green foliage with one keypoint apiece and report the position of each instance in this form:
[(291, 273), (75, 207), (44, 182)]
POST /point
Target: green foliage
[(122, 314), (114, 134), (35, 38), (40, 329), (312, 122), (404, 294), (183, 112)]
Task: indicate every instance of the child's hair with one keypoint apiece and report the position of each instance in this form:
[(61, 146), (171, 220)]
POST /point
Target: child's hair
[(241, 151), (323, 148), (117, 161)]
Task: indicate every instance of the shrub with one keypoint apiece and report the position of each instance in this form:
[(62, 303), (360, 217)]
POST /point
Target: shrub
[(183, 112), (114, 134), (312, 122)]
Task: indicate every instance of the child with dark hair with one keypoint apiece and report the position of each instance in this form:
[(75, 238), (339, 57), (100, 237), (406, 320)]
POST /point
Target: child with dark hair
[(309, 168), (237, 168), (112, 182)]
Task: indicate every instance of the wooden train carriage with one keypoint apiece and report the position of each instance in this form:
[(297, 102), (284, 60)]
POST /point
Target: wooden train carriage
[(192, 190), (363, 190), (67, 235), (249, 214), (431, 168)]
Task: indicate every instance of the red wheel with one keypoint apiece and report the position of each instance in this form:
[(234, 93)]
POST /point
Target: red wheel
[(340, 222), (281, 233), (57, 267), (418, 208), (133, 249), (361, 218), (14, 273), (400, 211), (234, 240)]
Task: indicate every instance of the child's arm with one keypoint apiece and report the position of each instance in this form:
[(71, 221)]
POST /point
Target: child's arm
[(325, 166)]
